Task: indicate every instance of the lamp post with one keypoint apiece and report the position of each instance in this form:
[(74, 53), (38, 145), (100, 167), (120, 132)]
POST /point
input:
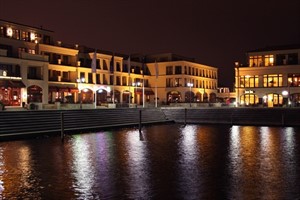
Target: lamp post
[(289, 93), (79, 81), (190, 85), (237, 83)]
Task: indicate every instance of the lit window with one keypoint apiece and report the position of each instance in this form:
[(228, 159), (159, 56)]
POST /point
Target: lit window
[(32, 36), (269, 60)]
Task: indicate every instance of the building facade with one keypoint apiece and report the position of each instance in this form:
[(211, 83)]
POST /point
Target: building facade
[(36, 69), (271, 78)]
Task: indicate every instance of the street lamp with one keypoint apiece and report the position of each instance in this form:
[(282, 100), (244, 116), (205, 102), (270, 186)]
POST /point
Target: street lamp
[(79, 81), (237, 85), (135, 85), (190, 85)]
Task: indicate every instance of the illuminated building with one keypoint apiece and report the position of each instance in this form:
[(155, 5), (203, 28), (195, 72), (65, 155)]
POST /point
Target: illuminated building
[(271, 78), (35, 68)]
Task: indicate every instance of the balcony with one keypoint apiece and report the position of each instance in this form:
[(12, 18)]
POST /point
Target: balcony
[(59, 79), (29, 56)]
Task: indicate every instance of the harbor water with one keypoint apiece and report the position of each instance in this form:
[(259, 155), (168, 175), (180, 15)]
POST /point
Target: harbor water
[(169, 161)]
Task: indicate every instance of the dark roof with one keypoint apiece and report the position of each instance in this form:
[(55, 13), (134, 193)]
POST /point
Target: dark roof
[(275, 48), (19, 24)]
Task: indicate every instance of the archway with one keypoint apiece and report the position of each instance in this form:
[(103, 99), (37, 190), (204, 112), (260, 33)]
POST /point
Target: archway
[(125, 96), (34, 94), (189, 96), (173, 97), (198, 97), (101, 96), (87, 95), (212, 97)]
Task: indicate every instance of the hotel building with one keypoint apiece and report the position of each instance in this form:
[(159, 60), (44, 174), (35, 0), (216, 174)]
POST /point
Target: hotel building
[(36, 69), (271, 78)]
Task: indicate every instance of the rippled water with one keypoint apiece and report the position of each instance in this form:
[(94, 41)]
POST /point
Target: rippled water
[(164, 162)]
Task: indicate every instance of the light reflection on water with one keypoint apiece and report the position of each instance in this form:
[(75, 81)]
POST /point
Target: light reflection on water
[(162, 162)]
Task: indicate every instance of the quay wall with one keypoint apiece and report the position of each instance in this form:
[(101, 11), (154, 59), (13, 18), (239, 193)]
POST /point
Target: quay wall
[(235, 116), (22, 123)]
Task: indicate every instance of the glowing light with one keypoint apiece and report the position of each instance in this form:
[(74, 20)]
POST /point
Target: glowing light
[(32, 36), (285, 93), (9, 32)]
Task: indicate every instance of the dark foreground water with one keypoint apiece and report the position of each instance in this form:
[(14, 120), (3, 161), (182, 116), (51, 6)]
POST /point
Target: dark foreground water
[(164, 162)]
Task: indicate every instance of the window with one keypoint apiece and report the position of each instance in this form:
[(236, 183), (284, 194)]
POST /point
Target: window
[(281, 59), (31, 51), (294, 80), (65, 76), (125, 68), (249, 81), (273, 80), (293, 59), (269, 60), (98, 81), (249, 99), (104, 65), (169, 70), (178, 82), (255, 61), (25, 36), (34, 73), (90, 78), (104, 80), (178, 70), (118, 67), (169, 82), (111, 79), (118, 80), (82, 75), (124, 80)]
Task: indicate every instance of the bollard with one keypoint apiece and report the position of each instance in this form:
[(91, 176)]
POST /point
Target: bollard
[(62, 135)]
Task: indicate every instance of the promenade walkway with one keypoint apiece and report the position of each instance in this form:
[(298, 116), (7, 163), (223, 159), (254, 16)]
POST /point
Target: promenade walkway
[(18, 123)]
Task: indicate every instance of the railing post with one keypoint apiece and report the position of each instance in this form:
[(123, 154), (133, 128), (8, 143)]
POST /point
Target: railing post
[(185, 116), (140, 120)]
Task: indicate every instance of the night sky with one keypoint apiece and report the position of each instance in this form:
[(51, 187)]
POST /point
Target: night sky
[(215, 33)]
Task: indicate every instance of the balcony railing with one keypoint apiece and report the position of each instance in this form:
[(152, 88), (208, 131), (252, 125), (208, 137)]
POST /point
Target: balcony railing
[(29, 56)]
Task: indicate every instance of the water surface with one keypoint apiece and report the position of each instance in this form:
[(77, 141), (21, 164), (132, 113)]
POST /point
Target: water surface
[(163, 162)]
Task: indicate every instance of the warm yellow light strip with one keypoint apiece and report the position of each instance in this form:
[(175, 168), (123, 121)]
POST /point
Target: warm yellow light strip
[(10, 77)]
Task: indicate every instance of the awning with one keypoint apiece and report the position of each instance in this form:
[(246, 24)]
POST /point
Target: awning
[(8, 83), (62, 88), (148, 91)]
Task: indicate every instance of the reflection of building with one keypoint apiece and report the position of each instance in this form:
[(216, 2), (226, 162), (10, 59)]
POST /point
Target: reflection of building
[(34, 68), (272, 77)]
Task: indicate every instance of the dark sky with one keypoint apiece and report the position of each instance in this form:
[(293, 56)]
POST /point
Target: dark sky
[(216, 33)]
